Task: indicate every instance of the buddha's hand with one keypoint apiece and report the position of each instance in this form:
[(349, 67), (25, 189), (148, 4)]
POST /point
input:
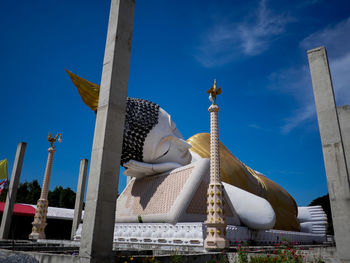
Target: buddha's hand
[(140, 169)]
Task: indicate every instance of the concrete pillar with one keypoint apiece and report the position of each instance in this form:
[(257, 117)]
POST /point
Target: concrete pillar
[(79, 198), (99, 215), (344, 121), (333, 150), (12, 192), (216, 225), (39, 223)]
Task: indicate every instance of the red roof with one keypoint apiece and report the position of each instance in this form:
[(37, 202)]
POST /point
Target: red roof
[(20, 209)]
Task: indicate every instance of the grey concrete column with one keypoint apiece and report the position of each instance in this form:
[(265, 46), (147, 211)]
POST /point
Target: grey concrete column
[(12, 192), (79, 198), (99, 216), (333, 150), (344, 121)]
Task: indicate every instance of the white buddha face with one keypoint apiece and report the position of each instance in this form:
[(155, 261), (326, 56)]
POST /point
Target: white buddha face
[(164, 143)]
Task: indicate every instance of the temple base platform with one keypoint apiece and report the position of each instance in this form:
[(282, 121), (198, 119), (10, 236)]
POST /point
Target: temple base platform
[(190, 236)]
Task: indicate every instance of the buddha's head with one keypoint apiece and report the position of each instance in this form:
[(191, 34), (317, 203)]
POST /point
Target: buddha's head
[(151, 136)]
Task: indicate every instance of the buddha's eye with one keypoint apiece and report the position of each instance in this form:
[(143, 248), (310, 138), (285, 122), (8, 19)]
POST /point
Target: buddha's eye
[(163, 150), (164, 153)]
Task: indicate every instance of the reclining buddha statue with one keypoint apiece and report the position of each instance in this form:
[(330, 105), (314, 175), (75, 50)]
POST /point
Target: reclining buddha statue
[(152, 144)]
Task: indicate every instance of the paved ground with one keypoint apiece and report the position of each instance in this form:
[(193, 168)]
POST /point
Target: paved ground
[(16, 258)]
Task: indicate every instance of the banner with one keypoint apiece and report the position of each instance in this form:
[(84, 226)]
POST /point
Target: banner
[(3, 170)]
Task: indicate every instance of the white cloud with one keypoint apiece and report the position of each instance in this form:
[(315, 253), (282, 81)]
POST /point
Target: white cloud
[(258, 127), (308, 3), (298, 117), (255, 37), (294, 81), (297, 81), (340, 69), (336, 39), (226, 41)]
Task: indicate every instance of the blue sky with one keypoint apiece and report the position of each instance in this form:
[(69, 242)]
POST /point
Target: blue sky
[(255, 49)]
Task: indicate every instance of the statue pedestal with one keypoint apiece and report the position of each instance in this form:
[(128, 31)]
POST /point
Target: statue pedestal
[(189, 236)]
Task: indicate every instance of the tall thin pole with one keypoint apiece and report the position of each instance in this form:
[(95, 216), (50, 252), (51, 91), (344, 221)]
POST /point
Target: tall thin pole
[(216, 224), (39, 223)]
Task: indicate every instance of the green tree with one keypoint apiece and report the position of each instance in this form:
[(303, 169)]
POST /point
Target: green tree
[(29, 193), (3, 195), (62, 197)]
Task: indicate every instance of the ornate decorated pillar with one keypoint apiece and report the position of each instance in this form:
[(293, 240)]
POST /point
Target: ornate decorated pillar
[(216, 225), (39, 223)]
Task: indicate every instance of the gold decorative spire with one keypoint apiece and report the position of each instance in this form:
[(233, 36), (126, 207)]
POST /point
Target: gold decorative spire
[(216, 225), (39, 223), (213, 91)]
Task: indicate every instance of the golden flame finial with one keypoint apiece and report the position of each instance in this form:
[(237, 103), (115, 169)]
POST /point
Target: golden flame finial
[(213, 91)]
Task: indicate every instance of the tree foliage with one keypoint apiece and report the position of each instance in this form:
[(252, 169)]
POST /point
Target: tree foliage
[(62, 197), (29, 193)]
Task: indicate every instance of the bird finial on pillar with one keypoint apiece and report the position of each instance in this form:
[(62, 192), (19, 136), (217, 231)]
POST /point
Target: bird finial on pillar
[(213, 91)]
